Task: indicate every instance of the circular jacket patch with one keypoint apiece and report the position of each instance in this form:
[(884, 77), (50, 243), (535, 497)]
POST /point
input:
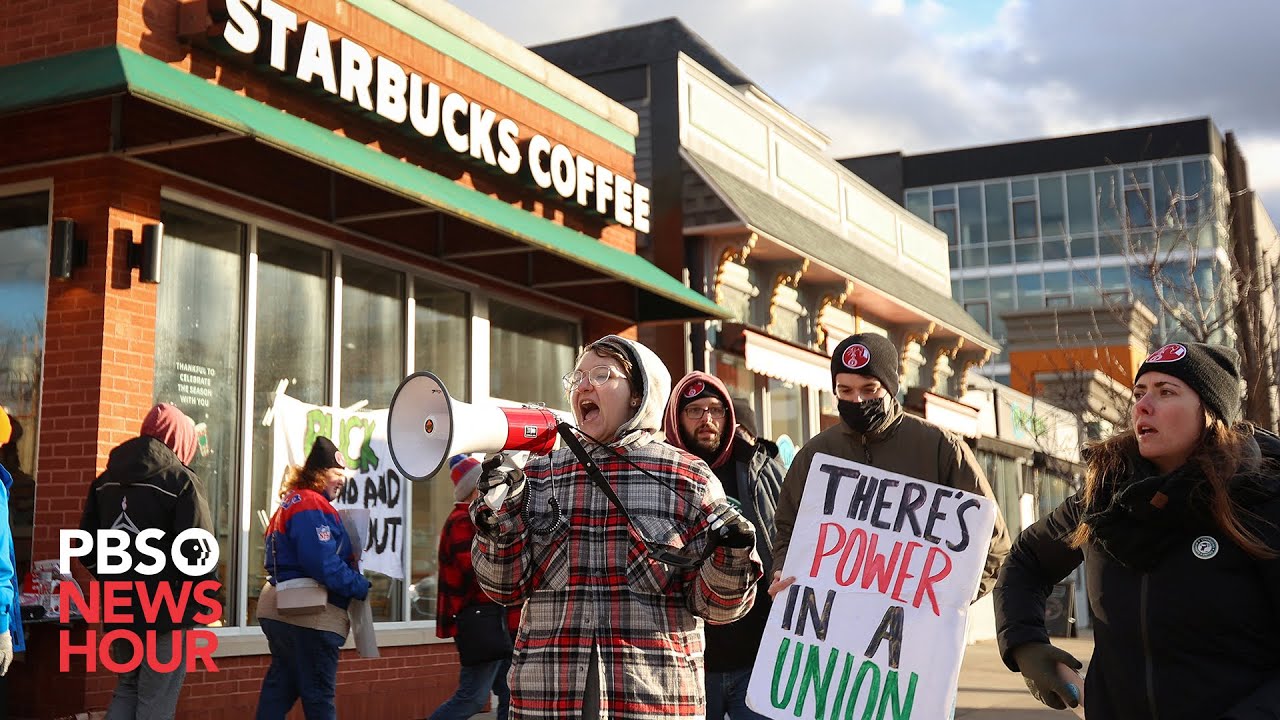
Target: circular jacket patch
[(1204, 547)]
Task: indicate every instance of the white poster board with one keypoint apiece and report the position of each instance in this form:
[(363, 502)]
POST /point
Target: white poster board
[(885, 567), (377, 485)]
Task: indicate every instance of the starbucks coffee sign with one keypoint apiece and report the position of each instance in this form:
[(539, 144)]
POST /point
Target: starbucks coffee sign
[(308, 51)]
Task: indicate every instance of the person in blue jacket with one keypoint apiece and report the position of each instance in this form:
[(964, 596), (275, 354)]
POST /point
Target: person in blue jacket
[(307, 544), (11, 638)]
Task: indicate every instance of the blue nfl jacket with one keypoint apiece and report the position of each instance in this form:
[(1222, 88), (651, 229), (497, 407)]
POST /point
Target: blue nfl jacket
[(306, 538), (10, 595)]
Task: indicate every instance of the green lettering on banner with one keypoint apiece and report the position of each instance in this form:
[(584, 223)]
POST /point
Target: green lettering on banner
[(844, 683), (820, 684), (368, 458), (901, 708), (869, 713), (319, 423), (366, 461), (777, 673)]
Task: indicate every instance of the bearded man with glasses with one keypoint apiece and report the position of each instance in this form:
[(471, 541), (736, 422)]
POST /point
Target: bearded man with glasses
[(619, 549), (700, 419)]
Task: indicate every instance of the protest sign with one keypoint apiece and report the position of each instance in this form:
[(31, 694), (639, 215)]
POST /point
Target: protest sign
[(377, 486), (885, 566)]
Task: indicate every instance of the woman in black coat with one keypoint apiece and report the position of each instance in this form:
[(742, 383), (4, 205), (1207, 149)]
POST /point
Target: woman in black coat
[(1178, 527)]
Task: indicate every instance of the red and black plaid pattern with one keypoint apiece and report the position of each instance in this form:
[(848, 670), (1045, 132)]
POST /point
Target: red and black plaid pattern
[(590, 580), (457, 587)]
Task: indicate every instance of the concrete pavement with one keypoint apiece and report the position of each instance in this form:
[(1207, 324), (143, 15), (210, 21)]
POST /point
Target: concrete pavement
[(988, 691)]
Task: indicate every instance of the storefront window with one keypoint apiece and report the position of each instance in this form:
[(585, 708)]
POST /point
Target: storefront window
[(528, 353), (786, 412), (198, 356), (441, 345), (292, 343), (372, 365), (1005, 476), (24, 272)]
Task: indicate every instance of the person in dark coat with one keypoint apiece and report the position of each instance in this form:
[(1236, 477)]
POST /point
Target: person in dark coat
[(703, 420), (148, 485), (1178, 526)]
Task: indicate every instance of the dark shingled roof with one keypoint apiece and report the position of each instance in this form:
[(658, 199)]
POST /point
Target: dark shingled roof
[(638, 45), (769, 215)]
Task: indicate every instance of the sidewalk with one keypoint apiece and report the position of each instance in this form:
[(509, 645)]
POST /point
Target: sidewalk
[(988, 691)]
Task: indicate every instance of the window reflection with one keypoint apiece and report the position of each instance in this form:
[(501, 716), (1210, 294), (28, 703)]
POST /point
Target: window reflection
[(292, 343), (372, 365), (528, 352), (197, 358), (24, 269), (441, 345)]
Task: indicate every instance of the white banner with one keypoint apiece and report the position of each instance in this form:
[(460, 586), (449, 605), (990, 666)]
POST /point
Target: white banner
[(885, 567), (377, 486)]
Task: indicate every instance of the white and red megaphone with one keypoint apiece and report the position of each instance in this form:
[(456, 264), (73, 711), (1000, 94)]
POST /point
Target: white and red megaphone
[(426, 427)]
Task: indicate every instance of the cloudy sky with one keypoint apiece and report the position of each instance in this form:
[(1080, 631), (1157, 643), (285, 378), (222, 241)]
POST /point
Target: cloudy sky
[(921, 75)]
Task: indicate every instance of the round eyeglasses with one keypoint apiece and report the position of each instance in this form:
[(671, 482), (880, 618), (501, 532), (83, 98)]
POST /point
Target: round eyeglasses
[(598, 375), (693, 412)]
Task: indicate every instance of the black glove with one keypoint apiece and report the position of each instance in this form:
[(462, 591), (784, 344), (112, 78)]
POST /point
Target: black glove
[(493, 476), (734, 530), (1038, 663)]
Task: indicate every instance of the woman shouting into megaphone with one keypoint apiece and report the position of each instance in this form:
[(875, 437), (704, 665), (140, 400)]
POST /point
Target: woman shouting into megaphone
[(619, 548)]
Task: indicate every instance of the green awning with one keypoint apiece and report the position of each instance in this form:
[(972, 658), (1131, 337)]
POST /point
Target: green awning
[(115, 70)]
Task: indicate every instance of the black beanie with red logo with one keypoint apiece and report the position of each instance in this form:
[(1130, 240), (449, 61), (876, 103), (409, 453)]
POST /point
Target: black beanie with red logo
[(867, 354), (1213, 371)]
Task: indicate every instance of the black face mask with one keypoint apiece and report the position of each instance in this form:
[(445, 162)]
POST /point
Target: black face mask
[(869, 416)]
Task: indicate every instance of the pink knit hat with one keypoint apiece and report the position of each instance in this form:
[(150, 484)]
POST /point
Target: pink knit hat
[(464, 470), (170, 426)]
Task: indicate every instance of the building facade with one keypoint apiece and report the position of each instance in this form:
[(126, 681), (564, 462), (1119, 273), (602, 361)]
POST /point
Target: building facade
[(1161, 215), (215, 203), (748, 206)]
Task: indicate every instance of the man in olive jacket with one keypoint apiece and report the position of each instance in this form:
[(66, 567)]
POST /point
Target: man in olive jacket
[(875, 431)]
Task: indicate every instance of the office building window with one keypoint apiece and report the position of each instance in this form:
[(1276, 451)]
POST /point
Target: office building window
[(1024, 219), (1080, 203), (1053, 211), (971, 231), (999, 227)]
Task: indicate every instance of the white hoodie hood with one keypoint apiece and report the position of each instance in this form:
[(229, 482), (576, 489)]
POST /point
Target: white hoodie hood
[(653, 396)]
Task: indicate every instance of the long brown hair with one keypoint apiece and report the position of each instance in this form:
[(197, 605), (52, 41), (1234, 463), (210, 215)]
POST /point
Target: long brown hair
[(297, 477), (1219, 456)]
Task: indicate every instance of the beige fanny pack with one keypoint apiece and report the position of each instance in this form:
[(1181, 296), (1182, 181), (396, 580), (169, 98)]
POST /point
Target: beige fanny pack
[(300, 596)]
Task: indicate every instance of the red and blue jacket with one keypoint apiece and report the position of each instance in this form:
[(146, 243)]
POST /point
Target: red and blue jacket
[(306, 538)]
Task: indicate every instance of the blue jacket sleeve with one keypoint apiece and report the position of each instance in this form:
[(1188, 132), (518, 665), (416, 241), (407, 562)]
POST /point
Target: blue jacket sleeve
[(8, 582), (315, 536)]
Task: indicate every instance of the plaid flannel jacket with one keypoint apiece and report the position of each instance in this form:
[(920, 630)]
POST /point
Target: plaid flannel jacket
[(457, 587), (590, 581)]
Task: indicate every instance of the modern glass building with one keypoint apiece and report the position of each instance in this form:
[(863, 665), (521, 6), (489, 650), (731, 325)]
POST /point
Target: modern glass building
[(1106, 218)]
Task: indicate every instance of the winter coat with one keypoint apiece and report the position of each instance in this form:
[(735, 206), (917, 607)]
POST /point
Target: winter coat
[(306, 538), (752, 475), (457, 587), (588, 581), (146, 486), (910, 446), (10, 594), (1187, 624)]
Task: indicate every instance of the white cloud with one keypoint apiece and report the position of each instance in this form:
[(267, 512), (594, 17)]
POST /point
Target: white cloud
[(878, 75)]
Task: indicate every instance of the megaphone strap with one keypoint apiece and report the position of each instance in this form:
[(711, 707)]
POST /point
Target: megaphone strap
[(657, 552)]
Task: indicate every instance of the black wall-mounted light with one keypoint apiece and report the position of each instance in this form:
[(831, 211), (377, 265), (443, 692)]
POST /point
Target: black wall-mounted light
[(66, 251), (146, 255)]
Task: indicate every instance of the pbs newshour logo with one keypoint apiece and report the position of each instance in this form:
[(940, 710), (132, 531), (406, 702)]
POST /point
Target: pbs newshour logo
[(138, 604)]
